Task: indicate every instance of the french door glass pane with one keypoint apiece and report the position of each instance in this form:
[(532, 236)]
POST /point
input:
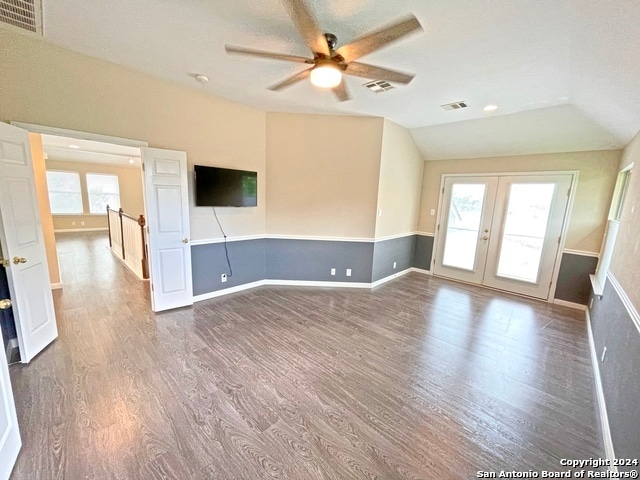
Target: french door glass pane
[(524, 231), (465, 214)]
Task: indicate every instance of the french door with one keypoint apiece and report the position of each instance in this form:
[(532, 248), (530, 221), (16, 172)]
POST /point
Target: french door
[(502, 231)]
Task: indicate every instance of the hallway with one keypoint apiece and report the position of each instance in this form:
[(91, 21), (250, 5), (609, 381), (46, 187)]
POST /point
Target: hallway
[(420, 378)]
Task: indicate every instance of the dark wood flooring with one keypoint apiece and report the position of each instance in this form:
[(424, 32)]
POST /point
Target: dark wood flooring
[(420, 378)]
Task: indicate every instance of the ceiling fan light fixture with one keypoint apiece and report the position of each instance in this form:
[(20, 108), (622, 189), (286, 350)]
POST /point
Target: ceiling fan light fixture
[(326, 74)]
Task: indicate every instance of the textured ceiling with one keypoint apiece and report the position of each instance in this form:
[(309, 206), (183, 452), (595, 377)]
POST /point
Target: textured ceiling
[(531, 58)]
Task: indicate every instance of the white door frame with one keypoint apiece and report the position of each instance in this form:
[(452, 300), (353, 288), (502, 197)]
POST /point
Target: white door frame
[(80, 135), (77, 134), (565, 221)]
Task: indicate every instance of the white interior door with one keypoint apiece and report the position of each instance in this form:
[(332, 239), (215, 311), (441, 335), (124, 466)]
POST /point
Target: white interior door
[(10, 442), (167, 204), (465, 220), (502, 231), (23, 245)]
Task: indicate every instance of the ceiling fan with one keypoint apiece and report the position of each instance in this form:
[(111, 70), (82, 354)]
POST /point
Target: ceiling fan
[(328, 64)]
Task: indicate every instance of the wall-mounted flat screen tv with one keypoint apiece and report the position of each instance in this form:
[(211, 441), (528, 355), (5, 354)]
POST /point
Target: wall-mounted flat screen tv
[(224, 187)]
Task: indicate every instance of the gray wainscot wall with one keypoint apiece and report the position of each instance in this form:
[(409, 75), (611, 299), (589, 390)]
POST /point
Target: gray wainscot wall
[(305, 260), (424, 248), (613, 326), (400, 251), (208, 263), (312, 260), (573, 279)]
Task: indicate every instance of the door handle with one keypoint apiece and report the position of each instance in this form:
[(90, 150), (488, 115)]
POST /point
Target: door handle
[(185, 240), (5, 303), (17, 260)]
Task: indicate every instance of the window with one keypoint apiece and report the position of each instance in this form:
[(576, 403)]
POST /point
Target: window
[(620, 194), (615, 213), (64, 192), (103, 190)]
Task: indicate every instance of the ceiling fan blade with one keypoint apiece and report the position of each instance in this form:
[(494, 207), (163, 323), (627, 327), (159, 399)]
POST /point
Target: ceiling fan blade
[(262, 54), (378, 39), (371, 71), (291, 80), (307, 26), (342, 92)]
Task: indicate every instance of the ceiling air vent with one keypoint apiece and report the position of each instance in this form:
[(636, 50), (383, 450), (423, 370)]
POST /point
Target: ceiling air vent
[(455, 105), (378, 86), (25, 14)]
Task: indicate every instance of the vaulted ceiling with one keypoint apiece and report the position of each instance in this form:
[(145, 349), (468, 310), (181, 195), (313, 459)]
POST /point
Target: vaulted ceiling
[(565, 74)]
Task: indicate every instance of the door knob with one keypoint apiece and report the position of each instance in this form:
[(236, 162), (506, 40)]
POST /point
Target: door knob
[(5, 303), (486, 230), (185, 240), (485, 238), (4, 262), (17, 260)]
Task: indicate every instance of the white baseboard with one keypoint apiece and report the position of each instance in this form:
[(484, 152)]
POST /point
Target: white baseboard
[(56, 286), (226, 291), (72, 230), (312, 283), (564, 303), (305, 283), (602, 407), (138, 276), (420, 270), (390, 277)]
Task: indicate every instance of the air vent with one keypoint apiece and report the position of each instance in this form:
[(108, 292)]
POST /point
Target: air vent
[(378, 86), (455, 105), (25, 14)]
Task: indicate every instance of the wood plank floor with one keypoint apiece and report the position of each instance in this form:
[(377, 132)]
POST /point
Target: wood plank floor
[(418, 379)]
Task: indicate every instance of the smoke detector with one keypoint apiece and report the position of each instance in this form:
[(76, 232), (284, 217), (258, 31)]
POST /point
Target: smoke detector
[(455, 105), (202, 78)]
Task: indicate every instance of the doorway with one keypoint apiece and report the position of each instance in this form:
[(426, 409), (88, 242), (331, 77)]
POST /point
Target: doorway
[(503, 231)]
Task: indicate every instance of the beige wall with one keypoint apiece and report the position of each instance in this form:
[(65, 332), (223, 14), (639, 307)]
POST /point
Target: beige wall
[(400, 182), (48, 85), (131, 201), (40, 177), (625, 264), (322, 174), (598, 171)]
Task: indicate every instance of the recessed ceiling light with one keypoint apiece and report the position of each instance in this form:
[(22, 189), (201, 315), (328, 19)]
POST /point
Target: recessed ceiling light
[(131, 160), (74, 146), (490, 108)]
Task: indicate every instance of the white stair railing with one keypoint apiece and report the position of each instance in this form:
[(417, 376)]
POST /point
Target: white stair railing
[(127, 240)]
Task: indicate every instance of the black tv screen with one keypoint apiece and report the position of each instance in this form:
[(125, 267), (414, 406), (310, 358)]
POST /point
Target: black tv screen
[(224, 187)]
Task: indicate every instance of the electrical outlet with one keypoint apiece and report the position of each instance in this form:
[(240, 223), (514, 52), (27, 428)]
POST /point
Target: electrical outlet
[(348, 272), (333, 271), (394, 264), (223, 277), (81, 223), (432, 212), (604, 352), (73, 223), (379, 212)]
